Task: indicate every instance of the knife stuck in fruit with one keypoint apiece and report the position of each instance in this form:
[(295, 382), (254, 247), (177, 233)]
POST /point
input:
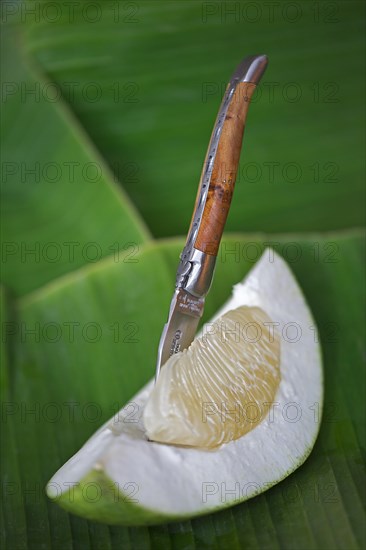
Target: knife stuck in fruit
[(215, 192)]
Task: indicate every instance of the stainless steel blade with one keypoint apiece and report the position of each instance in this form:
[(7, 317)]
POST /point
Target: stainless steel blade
[(180, 329)]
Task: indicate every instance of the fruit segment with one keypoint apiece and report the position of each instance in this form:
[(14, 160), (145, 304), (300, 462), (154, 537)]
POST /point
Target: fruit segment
[(221, 387)]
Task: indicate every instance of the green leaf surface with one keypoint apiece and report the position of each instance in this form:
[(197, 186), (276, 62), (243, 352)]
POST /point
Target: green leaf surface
[(61, 206), (146, 78), (80, 333), (72, 384)]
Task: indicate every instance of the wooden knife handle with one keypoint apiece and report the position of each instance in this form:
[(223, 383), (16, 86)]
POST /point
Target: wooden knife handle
[(222, 182)]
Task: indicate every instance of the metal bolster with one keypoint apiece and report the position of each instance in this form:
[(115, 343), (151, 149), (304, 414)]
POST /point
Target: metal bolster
[(251, 69), (196, 275)]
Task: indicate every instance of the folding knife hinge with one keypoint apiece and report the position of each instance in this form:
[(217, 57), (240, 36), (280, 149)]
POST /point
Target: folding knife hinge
[(195, 274)]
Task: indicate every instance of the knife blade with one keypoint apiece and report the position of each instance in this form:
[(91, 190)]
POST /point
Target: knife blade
[(215, 191)]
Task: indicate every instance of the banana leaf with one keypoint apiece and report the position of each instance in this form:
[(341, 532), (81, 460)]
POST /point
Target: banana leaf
[(79, 332)]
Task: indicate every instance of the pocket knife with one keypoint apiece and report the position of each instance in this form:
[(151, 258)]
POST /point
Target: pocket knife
[(215, 191)]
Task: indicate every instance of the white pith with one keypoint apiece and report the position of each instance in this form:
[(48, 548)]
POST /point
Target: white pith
[(177, 480)]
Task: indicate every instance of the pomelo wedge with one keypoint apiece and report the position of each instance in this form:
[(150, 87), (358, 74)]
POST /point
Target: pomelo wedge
[(121, 477)]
